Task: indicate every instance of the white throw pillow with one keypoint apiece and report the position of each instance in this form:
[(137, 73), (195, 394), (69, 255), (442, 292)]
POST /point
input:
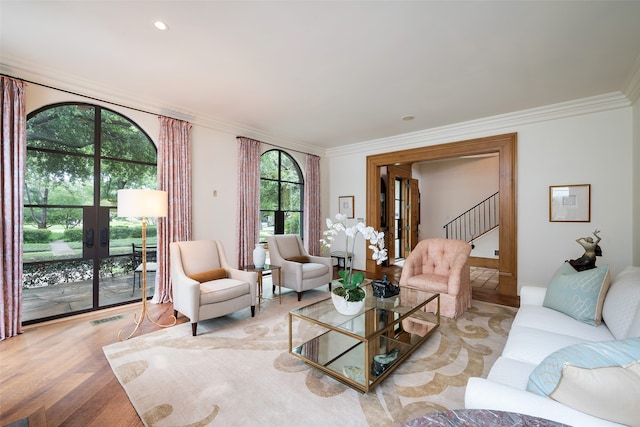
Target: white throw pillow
[(600, 378), (621, 310)]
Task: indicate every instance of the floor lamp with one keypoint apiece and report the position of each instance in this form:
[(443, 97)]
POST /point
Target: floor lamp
[(143, 204)]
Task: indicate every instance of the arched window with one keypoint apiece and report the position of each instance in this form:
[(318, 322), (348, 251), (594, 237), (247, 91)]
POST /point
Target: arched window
[(281, 193), (78, 156)]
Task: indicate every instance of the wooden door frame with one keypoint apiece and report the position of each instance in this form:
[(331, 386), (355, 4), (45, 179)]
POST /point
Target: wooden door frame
[(393, 173), (506, 147)]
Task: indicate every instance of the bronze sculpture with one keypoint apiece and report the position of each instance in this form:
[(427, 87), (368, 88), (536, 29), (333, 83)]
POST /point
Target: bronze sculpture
[(591, 250)]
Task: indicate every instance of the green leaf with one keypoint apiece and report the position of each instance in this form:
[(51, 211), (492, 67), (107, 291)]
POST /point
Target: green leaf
[(351, 281)]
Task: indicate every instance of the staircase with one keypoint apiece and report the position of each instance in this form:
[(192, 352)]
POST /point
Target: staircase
[(475, 222)]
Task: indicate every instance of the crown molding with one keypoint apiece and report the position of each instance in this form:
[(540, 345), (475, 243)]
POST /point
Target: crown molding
[(462, 130), (431, 136), (89, 89), (631, 87)]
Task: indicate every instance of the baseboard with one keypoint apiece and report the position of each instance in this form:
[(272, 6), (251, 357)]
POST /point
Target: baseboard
[(484, 262)]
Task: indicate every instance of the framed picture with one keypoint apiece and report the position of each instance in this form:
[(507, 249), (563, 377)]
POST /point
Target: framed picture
[(570, 203), (345, 206)]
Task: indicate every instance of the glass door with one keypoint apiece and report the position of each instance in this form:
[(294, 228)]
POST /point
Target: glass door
[(77, 255)]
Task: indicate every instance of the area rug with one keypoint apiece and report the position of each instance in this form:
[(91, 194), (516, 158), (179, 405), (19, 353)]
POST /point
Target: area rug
[(238, 372)]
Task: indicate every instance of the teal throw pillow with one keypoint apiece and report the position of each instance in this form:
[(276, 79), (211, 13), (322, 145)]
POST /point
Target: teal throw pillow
[(579, 294), (599, 378)]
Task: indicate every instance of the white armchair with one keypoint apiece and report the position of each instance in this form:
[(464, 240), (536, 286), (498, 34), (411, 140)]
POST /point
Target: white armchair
[(299, 270), (204, 285)]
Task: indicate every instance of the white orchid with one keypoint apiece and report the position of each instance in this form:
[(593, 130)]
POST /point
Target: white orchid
[(349, 280)]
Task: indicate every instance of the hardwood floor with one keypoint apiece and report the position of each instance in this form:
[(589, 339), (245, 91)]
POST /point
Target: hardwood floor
[(57, 370), (60, 366), (480, 292)]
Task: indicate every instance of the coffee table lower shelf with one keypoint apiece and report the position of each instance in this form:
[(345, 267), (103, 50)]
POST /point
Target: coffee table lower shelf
[(362, 350)]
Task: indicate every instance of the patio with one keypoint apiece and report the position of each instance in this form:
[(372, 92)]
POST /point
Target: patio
[(64, 298)]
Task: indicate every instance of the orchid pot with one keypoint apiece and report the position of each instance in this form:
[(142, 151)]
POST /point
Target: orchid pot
[(350, 290)]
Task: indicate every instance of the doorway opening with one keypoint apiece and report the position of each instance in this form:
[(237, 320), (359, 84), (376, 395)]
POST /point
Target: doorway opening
[(506, 147)]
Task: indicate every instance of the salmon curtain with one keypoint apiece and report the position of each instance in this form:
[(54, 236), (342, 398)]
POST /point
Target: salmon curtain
[(14, 147), (312, 220), (174, 177), (248, 198)]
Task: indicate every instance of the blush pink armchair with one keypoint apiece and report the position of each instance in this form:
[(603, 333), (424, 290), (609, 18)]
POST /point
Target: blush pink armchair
[(440, 265)]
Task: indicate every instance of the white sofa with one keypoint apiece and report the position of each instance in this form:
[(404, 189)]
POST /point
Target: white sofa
[(536, 333)]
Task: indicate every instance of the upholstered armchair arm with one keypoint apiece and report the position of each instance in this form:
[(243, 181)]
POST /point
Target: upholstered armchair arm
[(412, 267), (186, 291), (459, 278), (245, 276), (321, 260), (186, 295), (532, 295), (186, 298), (291, 272)]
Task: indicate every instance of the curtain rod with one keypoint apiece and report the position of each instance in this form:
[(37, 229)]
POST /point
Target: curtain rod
[(278, 146), (88, 97), (130, 108)]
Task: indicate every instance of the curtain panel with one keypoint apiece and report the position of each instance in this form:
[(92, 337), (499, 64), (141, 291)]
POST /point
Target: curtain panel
[(12, 164), (174, 177), (248, 198), (312, 220)]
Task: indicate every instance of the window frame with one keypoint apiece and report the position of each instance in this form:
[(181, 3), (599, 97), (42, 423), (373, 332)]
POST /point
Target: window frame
[(279, 212)]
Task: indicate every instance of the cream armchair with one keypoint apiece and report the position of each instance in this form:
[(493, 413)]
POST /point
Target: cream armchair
[(299, 270), (204, 285), (441, 265)]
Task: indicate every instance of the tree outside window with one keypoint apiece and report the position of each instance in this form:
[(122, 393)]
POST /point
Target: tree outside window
[(281, 195)]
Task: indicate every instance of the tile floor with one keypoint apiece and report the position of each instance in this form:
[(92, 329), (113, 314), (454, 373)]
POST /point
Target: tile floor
[(485, 278)]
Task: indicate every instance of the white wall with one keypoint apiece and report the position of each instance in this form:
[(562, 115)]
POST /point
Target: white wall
[(487, 244), (346, 176), (450, 187), (591, 148), (39, 96), (636, 182), (594, 148), (214, 167)]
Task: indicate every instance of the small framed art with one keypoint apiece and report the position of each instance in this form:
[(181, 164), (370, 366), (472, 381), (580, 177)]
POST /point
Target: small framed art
[(345, 206), (570, 203)]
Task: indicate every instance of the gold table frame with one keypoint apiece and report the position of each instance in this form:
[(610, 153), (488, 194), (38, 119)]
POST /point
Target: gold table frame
[(260, 270), (344, 347)]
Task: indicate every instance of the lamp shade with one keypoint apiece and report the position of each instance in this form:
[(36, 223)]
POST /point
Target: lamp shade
[(142, 203)]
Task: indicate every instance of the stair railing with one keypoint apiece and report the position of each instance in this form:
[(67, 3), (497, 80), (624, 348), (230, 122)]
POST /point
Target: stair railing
[(475, 222)]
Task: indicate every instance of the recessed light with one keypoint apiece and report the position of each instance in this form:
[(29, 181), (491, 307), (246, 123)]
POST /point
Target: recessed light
[(408, 118), (161, 25)]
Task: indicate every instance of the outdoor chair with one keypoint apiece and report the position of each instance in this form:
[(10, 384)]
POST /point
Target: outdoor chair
[(152, 265)]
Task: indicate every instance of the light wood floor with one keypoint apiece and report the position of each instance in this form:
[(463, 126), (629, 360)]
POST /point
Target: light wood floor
[(58, 369), (482, 282), (60, 366)]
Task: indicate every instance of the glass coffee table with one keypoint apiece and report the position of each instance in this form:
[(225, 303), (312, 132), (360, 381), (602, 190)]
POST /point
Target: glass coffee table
[(363, 349)]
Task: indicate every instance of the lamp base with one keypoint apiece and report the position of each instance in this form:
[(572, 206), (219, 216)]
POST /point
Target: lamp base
[(138, 321), (144, 313)]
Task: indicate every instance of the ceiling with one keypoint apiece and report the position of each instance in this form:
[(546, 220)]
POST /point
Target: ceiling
[(325, 73)]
